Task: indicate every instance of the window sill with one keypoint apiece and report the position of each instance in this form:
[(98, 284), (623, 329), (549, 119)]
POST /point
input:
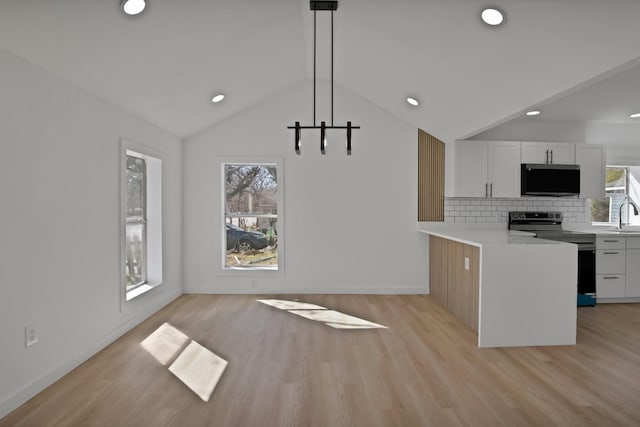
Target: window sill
[(140, 290), (272, 271)]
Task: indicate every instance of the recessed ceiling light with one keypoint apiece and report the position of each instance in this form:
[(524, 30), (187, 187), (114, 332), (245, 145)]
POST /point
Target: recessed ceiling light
[(532, 113), (492, 16), (133, 7), (635, 115), (413, 101), (219, 97)]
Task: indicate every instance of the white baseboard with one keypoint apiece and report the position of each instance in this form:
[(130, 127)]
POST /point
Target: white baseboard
[(23, 394), (618, 300), (336, 291)]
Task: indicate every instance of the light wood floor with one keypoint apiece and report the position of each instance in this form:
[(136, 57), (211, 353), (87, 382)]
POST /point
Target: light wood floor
[(285, 370)]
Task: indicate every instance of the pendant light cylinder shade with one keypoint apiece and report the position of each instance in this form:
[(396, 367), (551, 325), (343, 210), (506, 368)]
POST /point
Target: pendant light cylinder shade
[(348, 138), (323, 138), (297, 135)]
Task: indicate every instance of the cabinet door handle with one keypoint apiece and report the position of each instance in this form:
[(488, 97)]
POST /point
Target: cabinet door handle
[(611, 253), (610, 277), (486, 189), (491, 189), (611, 241), (546, 156), (551, 156)]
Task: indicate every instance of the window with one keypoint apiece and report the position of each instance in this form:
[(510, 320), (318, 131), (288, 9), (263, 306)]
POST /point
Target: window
[(141, 221), (252, 224), (620, 182), (136, 223)]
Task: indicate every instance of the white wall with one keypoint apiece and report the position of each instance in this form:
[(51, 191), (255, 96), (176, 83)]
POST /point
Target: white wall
[(59, 227), (350, 222)]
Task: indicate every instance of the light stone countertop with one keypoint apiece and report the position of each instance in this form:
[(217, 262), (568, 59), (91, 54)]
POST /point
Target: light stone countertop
[(607, 230), (479, 237)]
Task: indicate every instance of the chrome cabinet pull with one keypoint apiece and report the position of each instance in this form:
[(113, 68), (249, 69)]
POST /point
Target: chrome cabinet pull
[(551, 156), (546, 157), (491, 189), (610, 277), (611, 241), (611, 253), (486, 189)]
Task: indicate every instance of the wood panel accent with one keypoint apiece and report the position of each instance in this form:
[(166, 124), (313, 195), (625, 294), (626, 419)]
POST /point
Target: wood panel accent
[(430, 177), (453, 286), (438, 268), (426, 369)]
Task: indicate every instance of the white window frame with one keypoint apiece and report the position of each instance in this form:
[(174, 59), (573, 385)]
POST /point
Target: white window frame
[(222, 269), (153, 250)]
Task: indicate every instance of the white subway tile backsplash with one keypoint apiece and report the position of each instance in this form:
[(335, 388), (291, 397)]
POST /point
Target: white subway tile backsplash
[(496, 210)]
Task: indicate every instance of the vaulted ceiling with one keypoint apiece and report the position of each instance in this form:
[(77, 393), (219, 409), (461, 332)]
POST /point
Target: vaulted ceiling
[(165, 64)]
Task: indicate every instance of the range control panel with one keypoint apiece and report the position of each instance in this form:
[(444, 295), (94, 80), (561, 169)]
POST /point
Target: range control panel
[(536, 216), (535, 220)]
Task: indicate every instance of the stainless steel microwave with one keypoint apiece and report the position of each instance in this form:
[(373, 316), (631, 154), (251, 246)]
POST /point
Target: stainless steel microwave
[(550, 180)]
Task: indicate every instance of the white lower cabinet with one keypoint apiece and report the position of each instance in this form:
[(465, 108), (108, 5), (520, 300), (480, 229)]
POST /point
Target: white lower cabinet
[(617, 268), (611, 262), (632, 288), (610, 286)]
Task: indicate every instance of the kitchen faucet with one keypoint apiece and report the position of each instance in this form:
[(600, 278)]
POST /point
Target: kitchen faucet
[(635, 210)]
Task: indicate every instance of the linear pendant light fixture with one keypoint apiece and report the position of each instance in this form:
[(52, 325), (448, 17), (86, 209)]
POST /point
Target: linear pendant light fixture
[(322, 6)]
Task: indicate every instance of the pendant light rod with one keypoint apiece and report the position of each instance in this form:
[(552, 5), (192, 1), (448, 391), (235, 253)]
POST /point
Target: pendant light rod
[(314, 68)]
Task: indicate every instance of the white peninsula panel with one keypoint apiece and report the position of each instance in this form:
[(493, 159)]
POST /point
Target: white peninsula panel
[(528, 295)]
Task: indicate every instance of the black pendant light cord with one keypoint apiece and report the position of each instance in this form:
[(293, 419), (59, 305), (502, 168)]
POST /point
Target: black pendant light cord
[(332, 68), (314, 68)]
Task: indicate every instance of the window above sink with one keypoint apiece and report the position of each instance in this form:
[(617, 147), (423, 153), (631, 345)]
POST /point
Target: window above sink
[(621, 181)]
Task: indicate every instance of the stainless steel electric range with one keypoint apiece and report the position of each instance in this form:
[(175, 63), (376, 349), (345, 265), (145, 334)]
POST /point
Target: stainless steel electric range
[(548, 225)]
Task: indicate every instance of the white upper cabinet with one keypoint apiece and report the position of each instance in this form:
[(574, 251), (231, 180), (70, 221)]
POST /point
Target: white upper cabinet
[(592, 161), (504, 169), (548, 152), (471, 169), (487, 169), (492, 168)]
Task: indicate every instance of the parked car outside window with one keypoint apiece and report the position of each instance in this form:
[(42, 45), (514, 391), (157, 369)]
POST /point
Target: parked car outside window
[(244, 241)]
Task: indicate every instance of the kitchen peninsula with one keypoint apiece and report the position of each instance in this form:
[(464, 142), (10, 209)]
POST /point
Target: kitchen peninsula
[(512, 288)]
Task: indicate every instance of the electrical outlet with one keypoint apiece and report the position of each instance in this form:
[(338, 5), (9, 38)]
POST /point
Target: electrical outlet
[(30, 335), (466, 263)]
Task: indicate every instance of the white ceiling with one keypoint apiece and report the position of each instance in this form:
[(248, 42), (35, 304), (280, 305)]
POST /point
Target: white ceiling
[(610, 98), (165, 64)]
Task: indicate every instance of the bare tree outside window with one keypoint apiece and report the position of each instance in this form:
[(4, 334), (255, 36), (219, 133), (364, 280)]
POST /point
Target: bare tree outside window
[(251, 215)]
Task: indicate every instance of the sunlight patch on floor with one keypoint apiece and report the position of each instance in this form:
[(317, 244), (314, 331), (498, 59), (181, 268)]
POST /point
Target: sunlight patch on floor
[(335, 319), (165, 343), (199, 369), (290, 305), (332, 318), (195, 365)]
